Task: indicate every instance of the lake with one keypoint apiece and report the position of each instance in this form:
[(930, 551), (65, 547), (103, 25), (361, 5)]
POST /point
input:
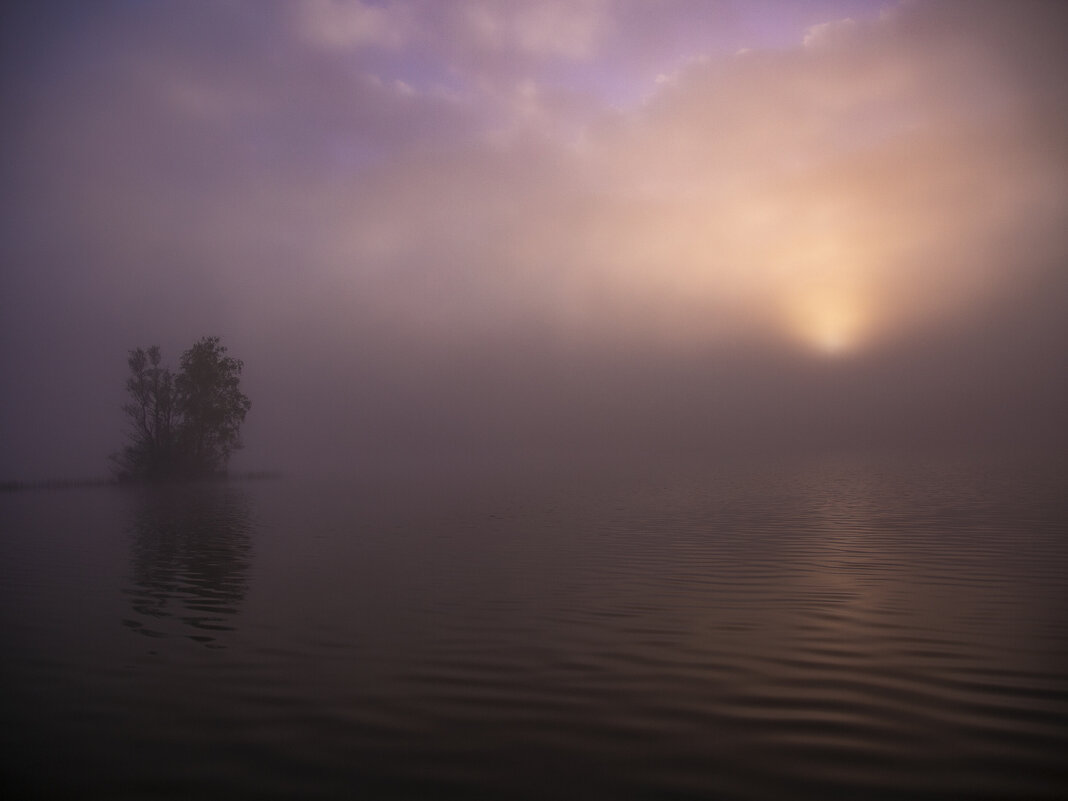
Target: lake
[(842, 626)]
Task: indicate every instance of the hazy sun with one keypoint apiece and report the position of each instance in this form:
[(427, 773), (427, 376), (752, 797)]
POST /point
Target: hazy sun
[(829, 322)]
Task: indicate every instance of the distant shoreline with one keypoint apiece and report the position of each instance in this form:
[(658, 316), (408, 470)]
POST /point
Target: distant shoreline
[(80, 483)]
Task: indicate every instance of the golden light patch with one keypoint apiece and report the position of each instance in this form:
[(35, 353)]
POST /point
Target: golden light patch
[(829, 322)]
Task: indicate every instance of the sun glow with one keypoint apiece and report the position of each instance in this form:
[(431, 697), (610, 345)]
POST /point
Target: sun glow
[(831, 323)]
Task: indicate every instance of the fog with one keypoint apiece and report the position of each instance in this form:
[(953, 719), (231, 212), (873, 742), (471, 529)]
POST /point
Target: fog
[(484, 234)]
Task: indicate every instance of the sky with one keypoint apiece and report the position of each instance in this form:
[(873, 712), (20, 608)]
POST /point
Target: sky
[(476, 232)]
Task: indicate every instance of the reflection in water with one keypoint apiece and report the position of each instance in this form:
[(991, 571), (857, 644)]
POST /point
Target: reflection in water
[(190, 553)]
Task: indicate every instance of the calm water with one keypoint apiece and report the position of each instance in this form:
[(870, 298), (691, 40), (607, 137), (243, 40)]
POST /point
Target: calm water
[(837, 627)]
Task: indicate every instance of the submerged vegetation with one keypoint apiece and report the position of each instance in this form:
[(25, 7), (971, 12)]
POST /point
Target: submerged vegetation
[(183, 425)]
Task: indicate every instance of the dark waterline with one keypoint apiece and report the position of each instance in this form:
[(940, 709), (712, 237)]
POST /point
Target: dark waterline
[(837, 627)]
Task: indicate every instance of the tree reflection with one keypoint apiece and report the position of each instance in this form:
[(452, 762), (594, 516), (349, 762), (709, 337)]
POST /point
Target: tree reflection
[(190, 550)]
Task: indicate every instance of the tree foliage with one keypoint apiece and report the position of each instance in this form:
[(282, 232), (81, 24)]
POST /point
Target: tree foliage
[(182, 425)]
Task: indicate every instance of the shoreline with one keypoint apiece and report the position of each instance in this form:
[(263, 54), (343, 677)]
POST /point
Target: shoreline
[(81, 483)]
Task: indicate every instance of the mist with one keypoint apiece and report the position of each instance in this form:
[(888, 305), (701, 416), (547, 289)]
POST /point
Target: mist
[(471, 234)]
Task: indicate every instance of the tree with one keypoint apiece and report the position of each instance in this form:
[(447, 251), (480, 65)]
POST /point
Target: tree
[(151, 410), (211, 405), (183, 425)]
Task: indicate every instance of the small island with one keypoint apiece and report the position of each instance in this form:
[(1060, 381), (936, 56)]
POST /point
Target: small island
[(183, 425)]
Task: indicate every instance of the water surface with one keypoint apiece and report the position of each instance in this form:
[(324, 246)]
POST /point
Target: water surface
[(833, 627)]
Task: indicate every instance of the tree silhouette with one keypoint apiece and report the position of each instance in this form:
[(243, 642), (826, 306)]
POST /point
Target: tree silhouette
[(183, 425)]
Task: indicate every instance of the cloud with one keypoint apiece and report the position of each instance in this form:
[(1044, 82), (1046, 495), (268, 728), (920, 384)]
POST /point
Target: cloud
[(827, 33), (352, 23), (880, 184), (474, 35), (569, 30), (883, 179)]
